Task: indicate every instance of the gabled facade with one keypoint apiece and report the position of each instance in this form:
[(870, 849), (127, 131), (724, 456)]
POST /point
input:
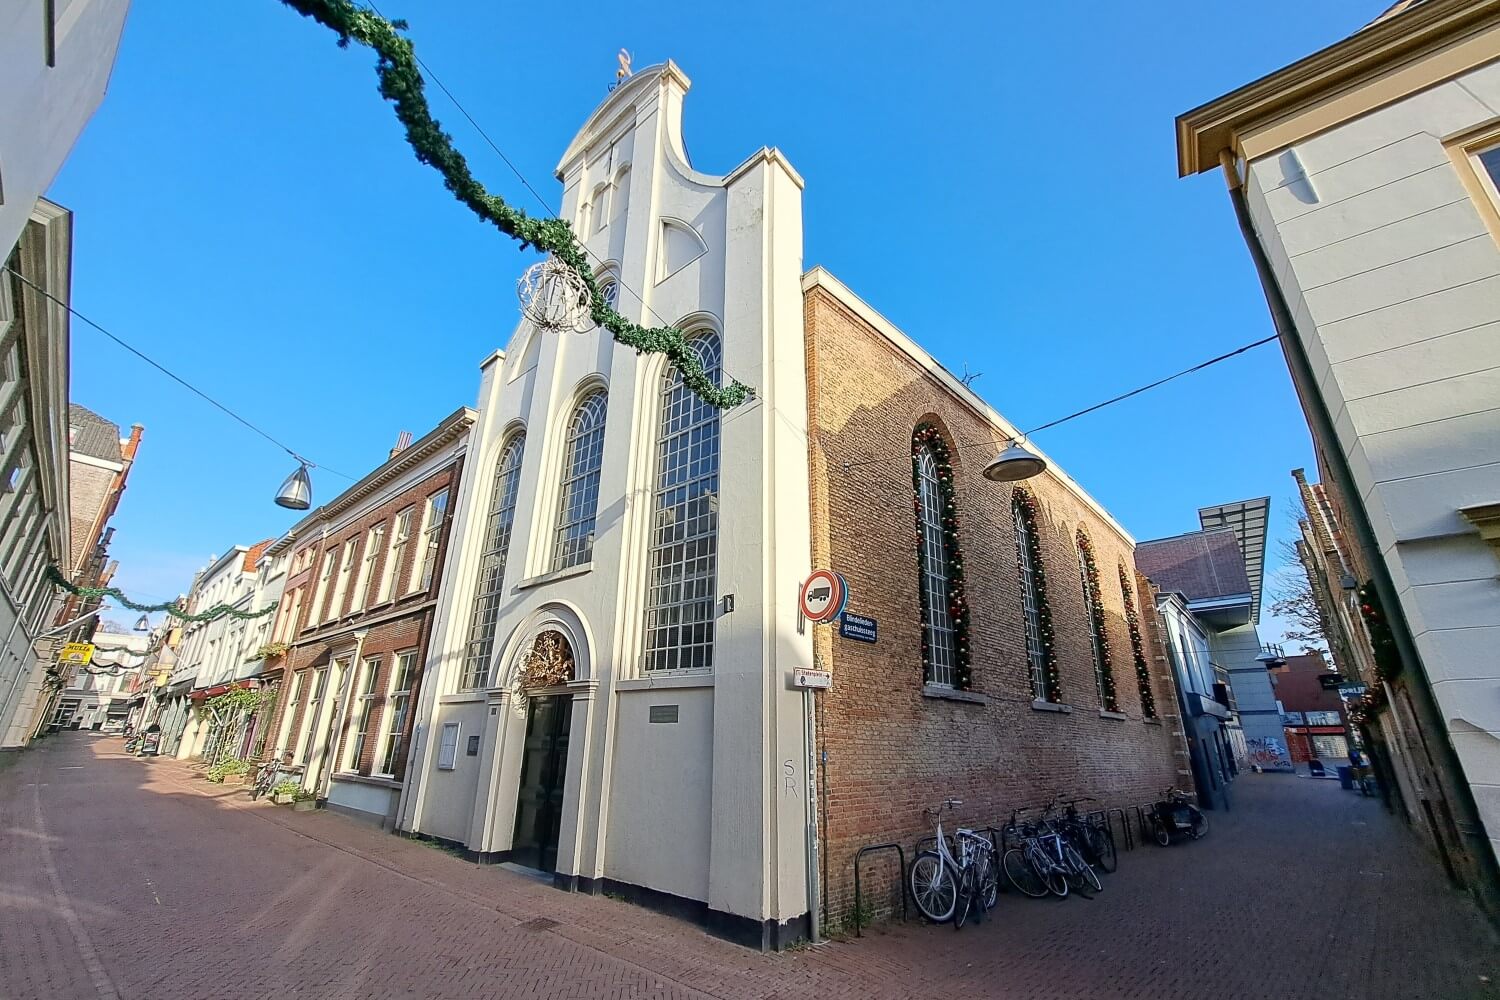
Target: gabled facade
[(1366, 182), (351, 636)]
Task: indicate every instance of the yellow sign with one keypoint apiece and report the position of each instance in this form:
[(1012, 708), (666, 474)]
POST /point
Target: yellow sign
[(80, 653)]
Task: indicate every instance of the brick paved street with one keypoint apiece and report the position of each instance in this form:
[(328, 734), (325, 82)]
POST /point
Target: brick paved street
[(136, 879)]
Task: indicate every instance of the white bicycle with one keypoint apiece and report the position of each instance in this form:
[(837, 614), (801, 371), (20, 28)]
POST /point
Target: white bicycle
[(949, 884)]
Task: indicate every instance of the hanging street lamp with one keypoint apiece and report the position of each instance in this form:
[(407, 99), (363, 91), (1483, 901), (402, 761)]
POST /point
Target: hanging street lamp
[(143, 624), (1015, 463), (296, 492)]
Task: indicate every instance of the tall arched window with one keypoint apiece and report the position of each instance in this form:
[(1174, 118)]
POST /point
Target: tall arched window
[(945, 653), (682, 580), (1088, 571), (1137, 647), (487, 592), (1037, 615), (583, 456)]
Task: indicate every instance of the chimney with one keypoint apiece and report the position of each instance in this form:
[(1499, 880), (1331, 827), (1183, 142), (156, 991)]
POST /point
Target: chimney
[(403, 441)]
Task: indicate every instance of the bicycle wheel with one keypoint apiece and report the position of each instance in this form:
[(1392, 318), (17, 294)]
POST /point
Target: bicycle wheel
[(1053, 873), (1199, 829), (1161, 833), (966, 894), (988, 880), (1103, 842), (1082, 870), (1020, 872), (932, 887)]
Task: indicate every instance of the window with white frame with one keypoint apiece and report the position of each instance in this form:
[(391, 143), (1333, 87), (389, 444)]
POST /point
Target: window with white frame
[(367, 698), (315, 614), (682, 578), (1093, 609), (1031, 604), (341, 586), (432, 533), (395, 555), (601, 207), (286, 623), (311, 713), (935, 573), (488, 590), (362, 587), (583, 458), (397, 709), (447, 758), (1487, 162), (609, 291)]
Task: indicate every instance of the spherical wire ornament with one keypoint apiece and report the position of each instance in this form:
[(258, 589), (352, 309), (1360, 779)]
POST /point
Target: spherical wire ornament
[(554, 297)]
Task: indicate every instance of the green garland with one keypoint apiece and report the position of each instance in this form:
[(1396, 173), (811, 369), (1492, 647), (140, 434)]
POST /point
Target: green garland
[(928, 436), (1102, 661), (401, 83), (1051, 681), (1382, 642), (212, 614), (1137, 648)]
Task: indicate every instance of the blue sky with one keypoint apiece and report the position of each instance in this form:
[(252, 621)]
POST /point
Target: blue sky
[(1005, 190)]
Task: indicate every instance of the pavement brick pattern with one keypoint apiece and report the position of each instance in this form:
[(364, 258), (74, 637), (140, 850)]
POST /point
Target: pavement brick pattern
[(137, 879)]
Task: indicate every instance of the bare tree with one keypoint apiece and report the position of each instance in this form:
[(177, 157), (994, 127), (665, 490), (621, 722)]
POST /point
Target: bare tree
[(1294, 601)]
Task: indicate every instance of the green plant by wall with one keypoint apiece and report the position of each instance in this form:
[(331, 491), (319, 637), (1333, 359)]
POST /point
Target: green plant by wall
[(227, 767), (285, 788), (1382, 642)]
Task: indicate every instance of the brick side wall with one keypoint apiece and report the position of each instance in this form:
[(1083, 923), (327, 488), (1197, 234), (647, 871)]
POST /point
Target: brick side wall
[(891, 752), (88, 491), (405, 622)]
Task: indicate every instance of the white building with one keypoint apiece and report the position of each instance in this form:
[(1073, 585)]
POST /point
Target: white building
[(1366, 178), (55, 60), (649, 545), (99, 695), (221, 652)]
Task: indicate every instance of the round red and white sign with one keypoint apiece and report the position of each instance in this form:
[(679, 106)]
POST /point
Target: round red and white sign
[(823, 595)]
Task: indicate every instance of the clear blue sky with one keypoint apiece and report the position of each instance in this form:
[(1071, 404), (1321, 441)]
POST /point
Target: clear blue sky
[(1002, 188)]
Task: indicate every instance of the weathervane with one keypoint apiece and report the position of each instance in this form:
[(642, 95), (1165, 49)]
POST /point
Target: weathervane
[(624, 72)]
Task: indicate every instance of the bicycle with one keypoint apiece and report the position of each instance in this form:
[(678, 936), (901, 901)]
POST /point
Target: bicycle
[(947, 885), (1094, 841), (1030, 867), (272, 773), (1175, 814), (1077, 871)]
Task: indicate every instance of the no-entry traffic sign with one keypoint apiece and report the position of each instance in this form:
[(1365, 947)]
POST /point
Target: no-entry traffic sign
[(823, 596)]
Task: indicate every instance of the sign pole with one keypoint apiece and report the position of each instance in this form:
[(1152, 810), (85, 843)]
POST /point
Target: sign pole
[(809, 735)]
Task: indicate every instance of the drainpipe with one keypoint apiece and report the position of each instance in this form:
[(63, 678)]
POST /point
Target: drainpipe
[(1486, 888)]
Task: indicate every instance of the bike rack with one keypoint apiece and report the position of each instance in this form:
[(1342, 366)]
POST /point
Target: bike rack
[(900, 879)]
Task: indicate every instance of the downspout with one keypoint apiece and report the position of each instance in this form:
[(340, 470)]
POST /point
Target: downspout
[(1486, 888)]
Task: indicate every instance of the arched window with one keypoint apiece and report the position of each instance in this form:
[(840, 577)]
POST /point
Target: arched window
[(1037, 614), (609, 291), (487, 592), (1088, 571), (682, 580), (945, 652), (601, 207), (1137, 647), (583, 456)]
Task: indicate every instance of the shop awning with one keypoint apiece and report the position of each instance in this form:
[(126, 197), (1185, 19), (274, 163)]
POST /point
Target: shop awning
[(202, 694)]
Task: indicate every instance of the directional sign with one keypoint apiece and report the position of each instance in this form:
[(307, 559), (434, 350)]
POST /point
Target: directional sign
[(816, 680), (823, 596), (79, 653)]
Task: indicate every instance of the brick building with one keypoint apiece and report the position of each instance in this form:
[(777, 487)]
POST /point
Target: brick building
[(1043, 705), (355, 618), (1312, 713)]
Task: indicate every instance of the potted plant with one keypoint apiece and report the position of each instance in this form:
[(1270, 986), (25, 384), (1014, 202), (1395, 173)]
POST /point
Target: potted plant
[(283, 792), (304, 801)]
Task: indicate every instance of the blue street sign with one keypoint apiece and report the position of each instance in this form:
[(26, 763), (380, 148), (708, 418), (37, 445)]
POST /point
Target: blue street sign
[(858, 627)]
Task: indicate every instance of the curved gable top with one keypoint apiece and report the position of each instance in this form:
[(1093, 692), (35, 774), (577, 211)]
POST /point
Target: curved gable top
[(630, 92)]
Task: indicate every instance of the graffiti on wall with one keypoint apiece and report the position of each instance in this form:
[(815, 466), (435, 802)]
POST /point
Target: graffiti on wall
[(1268, 754)]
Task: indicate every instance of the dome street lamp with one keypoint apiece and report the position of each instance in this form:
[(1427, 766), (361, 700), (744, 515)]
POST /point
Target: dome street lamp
[(1015, 463), (296, 492)]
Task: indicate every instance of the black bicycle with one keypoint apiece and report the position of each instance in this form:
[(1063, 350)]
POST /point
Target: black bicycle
[(1094, 840)]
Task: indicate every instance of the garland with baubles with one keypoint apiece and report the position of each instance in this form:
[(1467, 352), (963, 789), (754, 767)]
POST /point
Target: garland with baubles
[(401, 83), (1026, 504), (1137, 650), (929, 437), (1096, 614), (1382, 642), (171, 607)]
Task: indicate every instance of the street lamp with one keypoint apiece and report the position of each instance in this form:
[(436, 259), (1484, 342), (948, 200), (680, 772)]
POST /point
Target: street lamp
[(1015, 463), (143, 623), (296, 492)]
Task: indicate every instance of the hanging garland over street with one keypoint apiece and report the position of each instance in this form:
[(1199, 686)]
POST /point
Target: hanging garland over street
[(1137, 650), (1103, 661), (401, 83), (113, 593), (1025, 504), (929, 437)]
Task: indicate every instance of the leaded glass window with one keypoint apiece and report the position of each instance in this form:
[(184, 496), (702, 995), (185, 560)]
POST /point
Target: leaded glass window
[(487, 593), (583, 457), (933, 564)]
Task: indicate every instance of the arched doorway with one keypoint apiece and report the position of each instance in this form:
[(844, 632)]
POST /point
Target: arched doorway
[(546, 666)]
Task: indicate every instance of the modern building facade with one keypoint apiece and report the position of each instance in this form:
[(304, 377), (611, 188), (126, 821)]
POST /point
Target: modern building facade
[(34, 521), (56, 57), (1312, 713), (350, 642), (1364, 178)]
